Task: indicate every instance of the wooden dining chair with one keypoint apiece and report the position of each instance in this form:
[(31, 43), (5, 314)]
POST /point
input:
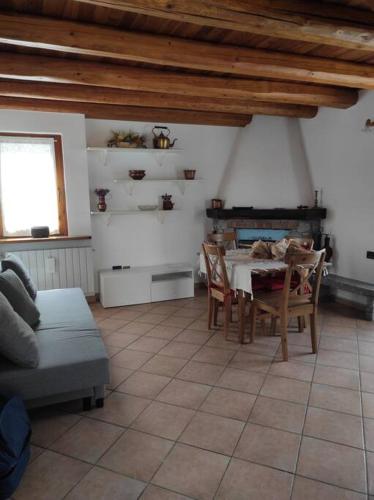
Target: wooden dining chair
[(226, 240), (219, 291), (297, 298), (306, 243)]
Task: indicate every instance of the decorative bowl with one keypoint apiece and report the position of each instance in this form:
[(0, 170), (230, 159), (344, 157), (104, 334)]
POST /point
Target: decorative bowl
[(137, 175), (147, 207), (189, 174)]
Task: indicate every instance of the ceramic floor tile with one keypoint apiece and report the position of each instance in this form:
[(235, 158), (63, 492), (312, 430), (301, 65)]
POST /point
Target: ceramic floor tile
[(202, 373), (164, 365), (192, 472), (193, 337), (366, 348), (177, 321), (157, 493), (287, 389), (366, 363), (187, 394), (136, 328), (164, 332), (368, 404), (369, 433), (50, 477), (336, 399), (180, 350), (338, 377), (146, 385), (218, 340), (341, 465), (101, 484), (370, 466), (163, 420), (213, 356), (137, 455), (213, 433), (278, 414), (131, 359), (367, 381), (148, 344), (298, 371), (241, 380), (118, 375), (228, 403), (332, 426), (152, 318), (266, 446), (338, 344), (244, 480), (120, 409), (338, 359), (119, 339), (250, 362), (127, 314), (109, 325), (111, 350), (49, 424), (308, 489), (81, 441)]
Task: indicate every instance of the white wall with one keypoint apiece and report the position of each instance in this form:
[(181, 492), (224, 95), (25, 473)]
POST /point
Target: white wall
[(72, 129), (341, 158), (268, 167), (141, 239)]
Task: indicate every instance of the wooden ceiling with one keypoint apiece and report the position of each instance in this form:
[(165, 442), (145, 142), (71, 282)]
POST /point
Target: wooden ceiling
[(187, 61)]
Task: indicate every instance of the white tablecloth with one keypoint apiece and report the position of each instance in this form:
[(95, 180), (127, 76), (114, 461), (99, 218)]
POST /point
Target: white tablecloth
[(240, 268)]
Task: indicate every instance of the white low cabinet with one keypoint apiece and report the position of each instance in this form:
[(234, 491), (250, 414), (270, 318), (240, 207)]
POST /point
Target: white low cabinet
[(139, 285)]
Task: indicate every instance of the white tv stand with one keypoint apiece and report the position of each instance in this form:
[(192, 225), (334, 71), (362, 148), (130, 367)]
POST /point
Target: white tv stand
[(140, 285)]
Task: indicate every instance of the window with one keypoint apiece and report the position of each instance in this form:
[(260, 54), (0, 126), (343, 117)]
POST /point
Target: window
[(31, 185)]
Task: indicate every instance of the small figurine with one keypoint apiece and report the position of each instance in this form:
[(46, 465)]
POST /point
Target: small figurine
[(167, 204), (101, 203)]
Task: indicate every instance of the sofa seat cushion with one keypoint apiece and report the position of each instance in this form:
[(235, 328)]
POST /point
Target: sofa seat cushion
[(72, 353)]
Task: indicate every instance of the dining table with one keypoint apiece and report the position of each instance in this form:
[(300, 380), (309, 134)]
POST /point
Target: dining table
[(241, 268)]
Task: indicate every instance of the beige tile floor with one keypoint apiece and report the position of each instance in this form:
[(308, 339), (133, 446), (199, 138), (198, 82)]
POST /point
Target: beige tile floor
[(190, 415)]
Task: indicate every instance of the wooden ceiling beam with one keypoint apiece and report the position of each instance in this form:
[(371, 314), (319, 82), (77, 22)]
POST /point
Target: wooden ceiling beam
[(102, 95), (95, 40), (306, 21), (39, 68), (126, 113)]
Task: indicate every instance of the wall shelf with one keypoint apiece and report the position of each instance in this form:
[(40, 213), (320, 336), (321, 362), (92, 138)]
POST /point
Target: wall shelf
[(159, 214), (158, 154), (180, 183)]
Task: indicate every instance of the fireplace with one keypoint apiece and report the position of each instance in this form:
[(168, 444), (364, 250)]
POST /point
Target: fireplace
[(269, 224)]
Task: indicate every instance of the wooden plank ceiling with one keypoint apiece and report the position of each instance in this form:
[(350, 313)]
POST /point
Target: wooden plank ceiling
[(212, 62)]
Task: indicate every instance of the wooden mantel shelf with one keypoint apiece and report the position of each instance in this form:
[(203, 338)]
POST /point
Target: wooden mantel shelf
[(37, 240), (267, 213)]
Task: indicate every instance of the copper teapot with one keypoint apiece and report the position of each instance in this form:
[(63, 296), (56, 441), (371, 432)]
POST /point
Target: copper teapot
[(161, 140)]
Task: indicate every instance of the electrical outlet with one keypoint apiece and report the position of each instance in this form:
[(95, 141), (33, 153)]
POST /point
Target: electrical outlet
[(370, 254)]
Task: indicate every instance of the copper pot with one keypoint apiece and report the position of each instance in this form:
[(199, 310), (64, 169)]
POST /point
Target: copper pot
[(217, 203)]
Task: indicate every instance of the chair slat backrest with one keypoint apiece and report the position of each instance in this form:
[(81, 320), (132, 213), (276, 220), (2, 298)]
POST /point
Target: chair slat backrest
[(216, 267), (226, 240), (305, 265), (306, 243)]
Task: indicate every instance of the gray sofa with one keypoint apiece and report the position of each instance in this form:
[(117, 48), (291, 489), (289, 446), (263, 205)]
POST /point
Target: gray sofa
[(73, 359)]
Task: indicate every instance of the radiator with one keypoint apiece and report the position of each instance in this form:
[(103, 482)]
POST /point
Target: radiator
[(60, 268)]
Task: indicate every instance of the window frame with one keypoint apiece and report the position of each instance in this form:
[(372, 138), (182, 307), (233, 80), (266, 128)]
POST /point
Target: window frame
[(60, 184)]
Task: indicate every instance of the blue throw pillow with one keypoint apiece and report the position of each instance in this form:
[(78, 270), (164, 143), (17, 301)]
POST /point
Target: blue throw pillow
[(14, 263), (13, 289)]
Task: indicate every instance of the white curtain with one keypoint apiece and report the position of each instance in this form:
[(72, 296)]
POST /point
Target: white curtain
[(28, 184)]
